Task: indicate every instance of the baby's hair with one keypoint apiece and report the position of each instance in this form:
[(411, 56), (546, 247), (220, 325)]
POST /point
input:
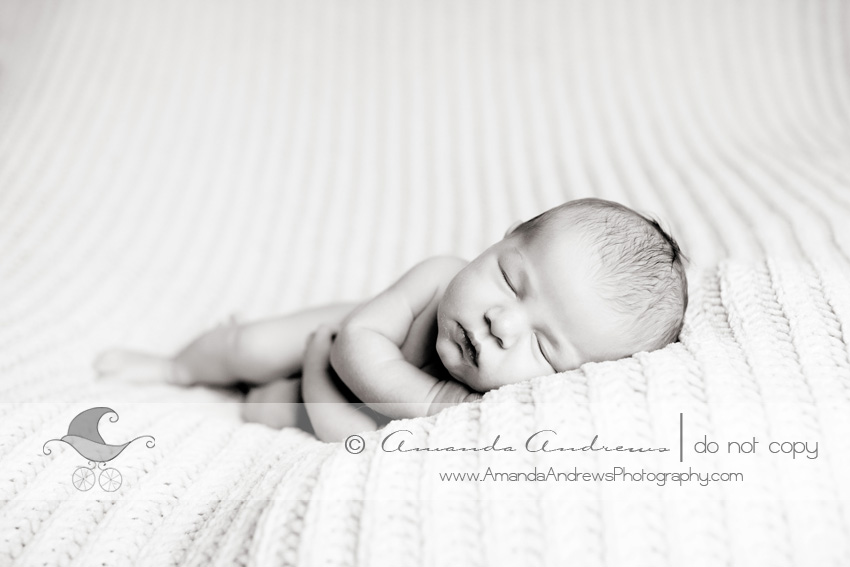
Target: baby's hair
[(642, 267)]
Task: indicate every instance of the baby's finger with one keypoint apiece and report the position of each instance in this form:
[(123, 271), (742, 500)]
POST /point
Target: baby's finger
[(318, 350), (322, 336)]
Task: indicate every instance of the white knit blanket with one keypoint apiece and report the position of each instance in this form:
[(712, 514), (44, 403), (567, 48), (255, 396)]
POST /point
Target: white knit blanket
[(166, 164)]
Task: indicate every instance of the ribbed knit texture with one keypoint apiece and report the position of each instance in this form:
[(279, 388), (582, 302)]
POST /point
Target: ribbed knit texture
[(165, 164)]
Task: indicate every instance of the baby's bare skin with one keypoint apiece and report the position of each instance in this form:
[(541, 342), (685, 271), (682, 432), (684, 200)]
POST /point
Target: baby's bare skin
[(447, 331), (264, 353), (267, 353)]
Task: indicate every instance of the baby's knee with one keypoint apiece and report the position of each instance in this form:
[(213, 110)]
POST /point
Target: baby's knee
[(179, 374), (275, 404)]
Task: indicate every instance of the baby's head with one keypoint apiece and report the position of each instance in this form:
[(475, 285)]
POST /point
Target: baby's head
[(587, 281)]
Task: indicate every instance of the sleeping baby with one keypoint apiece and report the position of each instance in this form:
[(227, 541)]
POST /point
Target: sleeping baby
[(587, 281)]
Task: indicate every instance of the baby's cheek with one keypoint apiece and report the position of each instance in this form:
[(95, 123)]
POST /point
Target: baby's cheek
[(450, 301), (462, 292)]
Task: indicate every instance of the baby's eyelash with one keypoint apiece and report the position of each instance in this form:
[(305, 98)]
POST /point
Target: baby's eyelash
[(507, 281), (540, 347)]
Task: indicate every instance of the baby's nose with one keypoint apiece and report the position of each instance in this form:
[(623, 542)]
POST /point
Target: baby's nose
[(505, 325)]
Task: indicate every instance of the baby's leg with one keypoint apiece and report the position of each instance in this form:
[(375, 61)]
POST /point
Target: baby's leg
[(276, 404), (203, 361), (256, 353), (134, 366)]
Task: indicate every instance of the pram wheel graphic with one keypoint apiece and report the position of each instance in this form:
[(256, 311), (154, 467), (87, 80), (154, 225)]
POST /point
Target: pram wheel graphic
[(83, 478), (110, 480)]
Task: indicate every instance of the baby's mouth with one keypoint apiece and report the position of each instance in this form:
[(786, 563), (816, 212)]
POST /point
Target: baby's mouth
[(467, 348)]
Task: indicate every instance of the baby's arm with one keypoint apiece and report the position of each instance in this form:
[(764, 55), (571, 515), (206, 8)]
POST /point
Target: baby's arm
[(367, 351), (332, 415)]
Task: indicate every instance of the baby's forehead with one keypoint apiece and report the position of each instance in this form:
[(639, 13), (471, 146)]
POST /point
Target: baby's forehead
[(574, 248), (579, 323), (568, 263)]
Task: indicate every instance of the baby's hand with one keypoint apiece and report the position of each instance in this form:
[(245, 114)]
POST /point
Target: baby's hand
[(451, 393), (317, 367), (332, 415), (320, 381)]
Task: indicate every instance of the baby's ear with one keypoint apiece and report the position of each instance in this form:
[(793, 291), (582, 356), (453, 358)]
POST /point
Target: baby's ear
[(512, 228)]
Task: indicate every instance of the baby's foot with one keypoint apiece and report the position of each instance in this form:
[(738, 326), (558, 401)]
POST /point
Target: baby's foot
[(133, 366), (275, 404)]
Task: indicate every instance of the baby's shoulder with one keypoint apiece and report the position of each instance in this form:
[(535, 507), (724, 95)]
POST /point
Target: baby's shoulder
[(438, 271), (425, 282), (446, 266)]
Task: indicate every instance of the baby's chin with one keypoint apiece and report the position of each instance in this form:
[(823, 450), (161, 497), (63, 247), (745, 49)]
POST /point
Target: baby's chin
[(450, 368), (455, 366)]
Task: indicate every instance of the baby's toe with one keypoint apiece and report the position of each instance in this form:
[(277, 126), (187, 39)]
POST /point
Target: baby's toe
[(110, 361)]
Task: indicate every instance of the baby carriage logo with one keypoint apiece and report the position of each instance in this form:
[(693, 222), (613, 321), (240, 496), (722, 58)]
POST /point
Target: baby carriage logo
[(84, 436)]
